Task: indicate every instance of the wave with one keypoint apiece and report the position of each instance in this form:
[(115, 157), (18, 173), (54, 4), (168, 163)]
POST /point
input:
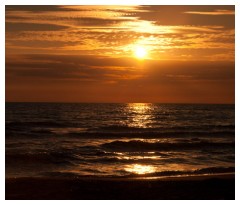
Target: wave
[(65, 124), (167, 127), (208, 170), (18, 124), (137, 145), (67, 127), (125, 174), (82, 133)]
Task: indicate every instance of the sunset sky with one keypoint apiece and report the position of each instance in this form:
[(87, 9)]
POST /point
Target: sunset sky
[(165, 54)]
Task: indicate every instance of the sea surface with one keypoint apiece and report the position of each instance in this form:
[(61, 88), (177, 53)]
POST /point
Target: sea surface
[(118, 140)]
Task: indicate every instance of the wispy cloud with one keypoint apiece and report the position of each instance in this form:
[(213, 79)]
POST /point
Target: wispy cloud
[(216, 12), (118, 69), (115, 30), (17, 27)]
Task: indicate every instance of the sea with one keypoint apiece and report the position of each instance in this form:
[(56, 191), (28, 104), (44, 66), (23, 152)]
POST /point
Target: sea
[(118, 139)]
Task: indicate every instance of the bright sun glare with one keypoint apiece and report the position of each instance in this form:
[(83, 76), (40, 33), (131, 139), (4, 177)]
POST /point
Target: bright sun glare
[(140, 52), (140, 169)]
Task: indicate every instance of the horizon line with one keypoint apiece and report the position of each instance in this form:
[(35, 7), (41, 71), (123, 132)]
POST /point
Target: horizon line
[(214, 103)]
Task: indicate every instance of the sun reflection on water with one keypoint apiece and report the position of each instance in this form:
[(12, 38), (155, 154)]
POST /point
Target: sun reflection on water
[(141, 114), (140, 169)]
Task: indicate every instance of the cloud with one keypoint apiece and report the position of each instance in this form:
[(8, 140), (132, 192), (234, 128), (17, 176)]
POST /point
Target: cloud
[(217, 12), (193, 71), (38, 8), (17, 27), (96, 22), (68, 15), (68, 67), (178, 15), (105, 69)]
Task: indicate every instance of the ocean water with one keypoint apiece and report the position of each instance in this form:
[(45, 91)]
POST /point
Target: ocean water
[(118, 140)]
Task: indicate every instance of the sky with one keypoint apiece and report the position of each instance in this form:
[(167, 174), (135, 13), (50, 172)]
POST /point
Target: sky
[(165, 54)]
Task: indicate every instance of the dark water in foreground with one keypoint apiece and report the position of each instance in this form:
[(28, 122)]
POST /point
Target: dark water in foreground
[(57, 139)]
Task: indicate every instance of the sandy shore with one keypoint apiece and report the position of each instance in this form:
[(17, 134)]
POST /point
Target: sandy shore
[(219, 186)]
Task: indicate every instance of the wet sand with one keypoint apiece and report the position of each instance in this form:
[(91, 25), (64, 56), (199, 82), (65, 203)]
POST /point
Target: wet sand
[(218, 187)]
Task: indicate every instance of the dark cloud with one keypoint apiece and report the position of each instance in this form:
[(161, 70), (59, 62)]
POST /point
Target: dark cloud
[(104, 69), (37, 8), (16, 27), (75, 18), (89, 60), (191, 71), (16, 18), (65, 67), (175, 15), (42, 43), (91, 21)]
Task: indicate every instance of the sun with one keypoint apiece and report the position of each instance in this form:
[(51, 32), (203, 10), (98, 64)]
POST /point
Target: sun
[(140, 52)]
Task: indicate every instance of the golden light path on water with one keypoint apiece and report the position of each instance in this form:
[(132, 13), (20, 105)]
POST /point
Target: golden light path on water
[(140, 169), (141, 117)]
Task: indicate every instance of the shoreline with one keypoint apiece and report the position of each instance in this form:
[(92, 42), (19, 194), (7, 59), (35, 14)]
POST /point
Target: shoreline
[(212, 186)]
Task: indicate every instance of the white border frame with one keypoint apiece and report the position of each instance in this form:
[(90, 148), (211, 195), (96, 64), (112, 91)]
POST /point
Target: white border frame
[(111, 2)]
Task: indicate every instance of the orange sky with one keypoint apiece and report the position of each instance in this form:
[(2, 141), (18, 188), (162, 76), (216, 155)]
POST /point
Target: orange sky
[(88, 54)]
